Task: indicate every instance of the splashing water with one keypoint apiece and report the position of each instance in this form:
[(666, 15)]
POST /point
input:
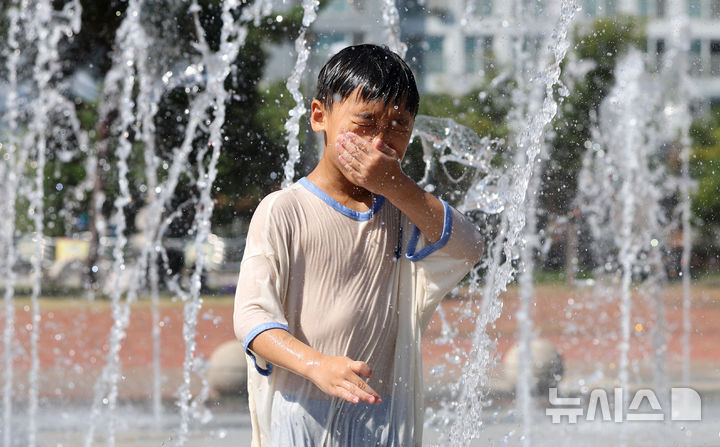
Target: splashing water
[(292, 125), (622, 188), (216, 66), (445, 141), (468, 409), (527, 98), (15, 157), (506, 198), (680, 94), (43, 31), (391, 19), (123, 71)]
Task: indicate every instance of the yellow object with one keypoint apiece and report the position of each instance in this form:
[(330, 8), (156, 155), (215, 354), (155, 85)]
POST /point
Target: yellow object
[(68, 249)]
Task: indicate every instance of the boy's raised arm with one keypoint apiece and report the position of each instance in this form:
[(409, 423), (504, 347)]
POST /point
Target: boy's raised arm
[(336, 376)]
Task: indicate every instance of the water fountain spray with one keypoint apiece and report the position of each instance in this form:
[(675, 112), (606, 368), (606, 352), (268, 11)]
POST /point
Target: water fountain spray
[(391, 19), (622, 186), (15, 157), (292, 125), (678, 114), (214, 67), (500, 272), (44, 30), (527, 98)]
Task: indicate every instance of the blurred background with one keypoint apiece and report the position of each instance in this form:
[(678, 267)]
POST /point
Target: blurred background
[(137, 138)]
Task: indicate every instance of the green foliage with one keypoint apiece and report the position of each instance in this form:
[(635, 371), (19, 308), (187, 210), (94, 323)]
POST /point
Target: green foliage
[(252, 168), (485, 116), (253, 131), (606, 41), (705, 168)]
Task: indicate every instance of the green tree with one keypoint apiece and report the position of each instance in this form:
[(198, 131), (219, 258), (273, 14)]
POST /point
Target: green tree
[(705, 168), (602, 44), (253, 138)]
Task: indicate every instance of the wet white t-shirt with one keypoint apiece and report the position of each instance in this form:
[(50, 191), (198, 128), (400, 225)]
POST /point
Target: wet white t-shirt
[(347, 283)]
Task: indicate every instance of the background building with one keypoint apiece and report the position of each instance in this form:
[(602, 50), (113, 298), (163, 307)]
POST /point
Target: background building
[(453, 51)]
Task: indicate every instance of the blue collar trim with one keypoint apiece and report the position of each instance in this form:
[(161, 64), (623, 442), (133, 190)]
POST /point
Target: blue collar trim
[(352, 214)]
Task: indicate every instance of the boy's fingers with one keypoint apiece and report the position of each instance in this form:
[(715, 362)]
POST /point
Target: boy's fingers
[(348, 164), (345, 157), (343, 393), (357, 144), (359, 367), (359, 391), (349, 155), (363, 391), (384, 148), (363, 368)]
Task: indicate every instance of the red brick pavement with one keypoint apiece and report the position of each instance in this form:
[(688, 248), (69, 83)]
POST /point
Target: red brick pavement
[(74, 333)]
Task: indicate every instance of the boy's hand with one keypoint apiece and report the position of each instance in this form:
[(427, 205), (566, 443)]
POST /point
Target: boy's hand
[(373, 165), (339, 377)]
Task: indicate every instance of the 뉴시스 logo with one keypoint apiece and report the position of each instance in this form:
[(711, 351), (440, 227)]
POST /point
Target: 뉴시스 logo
[(685, 405)]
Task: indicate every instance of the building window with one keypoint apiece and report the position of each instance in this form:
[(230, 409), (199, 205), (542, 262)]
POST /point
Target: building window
[(659, 8), (652, 8), (715, 58), (478, 53), (485, 8), (414, 55), (437, 7), (328, 42), (339, 6), (434, 62), (610, 7), (480, 8), (694, 8), (590, 8), (659, 53), (715, 9), (532, 43), (695, 57)]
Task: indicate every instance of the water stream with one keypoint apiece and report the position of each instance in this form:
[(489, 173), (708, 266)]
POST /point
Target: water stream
[(621, 192)]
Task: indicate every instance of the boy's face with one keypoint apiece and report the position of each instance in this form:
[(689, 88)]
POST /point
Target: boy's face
[(369, 120)]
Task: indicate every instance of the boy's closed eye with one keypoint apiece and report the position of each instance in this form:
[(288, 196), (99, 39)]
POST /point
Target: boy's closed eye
[(365, 124), (401, 127), (364, 120), (369, 123)]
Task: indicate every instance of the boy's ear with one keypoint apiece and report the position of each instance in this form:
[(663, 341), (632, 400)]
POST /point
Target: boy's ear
[(318, 116)]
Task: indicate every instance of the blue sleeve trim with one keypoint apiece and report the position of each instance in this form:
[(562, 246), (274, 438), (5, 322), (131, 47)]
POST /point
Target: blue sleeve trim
[(257, 330), (426, 251), (355, 215)]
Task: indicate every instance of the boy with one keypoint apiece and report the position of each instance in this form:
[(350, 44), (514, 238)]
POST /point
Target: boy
[(343, 270)]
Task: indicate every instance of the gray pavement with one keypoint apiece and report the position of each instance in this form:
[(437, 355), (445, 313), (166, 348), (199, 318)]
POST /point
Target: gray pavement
[(501, 425)]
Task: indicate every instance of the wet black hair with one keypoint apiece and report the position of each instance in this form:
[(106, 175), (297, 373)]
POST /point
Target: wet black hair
[(380, 73)]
